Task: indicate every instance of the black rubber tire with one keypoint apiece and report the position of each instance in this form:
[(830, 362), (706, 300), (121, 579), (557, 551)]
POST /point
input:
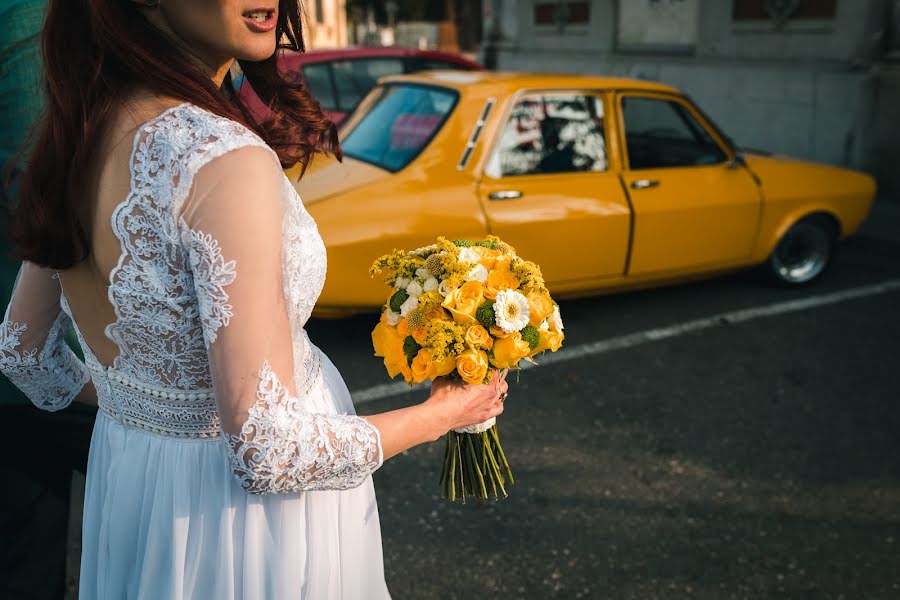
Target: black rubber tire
[(804, 252)]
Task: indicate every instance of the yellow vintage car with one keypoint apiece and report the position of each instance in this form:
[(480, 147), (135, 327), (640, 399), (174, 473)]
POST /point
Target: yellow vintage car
[(608, 184)]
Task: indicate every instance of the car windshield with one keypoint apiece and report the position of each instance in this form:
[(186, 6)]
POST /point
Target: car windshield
[(395, 123)]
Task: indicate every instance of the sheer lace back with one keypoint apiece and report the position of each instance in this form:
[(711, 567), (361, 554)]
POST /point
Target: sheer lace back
[(158, 313)]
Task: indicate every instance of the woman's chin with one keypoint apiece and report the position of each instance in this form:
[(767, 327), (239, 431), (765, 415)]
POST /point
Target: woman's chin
[(256, 52)]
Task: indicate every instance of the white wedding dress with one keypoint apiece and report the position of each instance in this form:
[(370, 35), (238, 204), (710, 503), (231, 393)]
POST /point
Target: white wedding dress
[(226, 461)]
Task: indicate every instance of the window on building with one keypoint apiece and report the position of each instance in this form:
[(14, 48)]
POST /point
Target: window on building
[(318, 82), (552, 133), (320, 11), (766, 10), (657, 25), (562, 13), (354, 78), (662, 133)]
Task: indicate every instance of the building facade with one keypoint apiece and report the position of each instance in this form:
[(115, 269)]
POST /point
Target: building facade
[(816, 79)]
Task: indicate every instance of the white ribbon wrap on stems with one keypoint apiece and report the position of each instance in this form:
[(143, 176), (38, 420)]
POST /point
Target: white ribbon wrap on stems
[(477, 427)]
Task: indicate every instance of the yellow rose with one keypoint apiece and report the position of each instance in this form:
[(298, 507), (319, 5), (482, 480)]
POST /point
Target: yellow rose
[(472, 365), (403, 329), (396, 366), (541, 307), (478, 337), (405, 370), (437, 369), (501, 278), (509, 351), (488, 256), (464, 301), (497, 332), (420, 365), (550, 340), (386, 340)]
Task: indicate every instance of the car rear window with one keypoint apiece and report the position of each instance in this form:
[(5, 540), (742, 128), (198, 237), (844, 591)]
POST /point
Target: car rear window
[(396, 122)]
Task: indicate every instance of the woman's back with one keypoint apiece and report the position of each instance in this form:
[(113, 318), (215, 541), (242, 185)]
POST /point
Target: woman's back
[(108, 183)]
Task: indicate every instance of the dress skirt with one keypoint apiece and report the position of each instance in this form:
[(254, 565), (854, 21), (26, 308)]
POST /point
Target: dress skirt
[(164, 519)]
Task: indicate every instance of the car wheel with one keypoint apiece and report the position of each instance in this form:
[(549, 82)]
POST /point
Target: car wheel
[(804, 252)]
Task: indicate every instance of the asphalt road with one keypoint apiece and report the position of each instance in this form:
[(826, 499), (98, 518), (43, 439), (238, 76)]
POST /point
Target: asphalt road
[(746, 460)]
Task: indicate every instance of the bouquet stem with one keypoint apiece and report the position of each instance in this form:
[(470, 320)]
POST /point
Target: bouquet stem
[(473, 465)]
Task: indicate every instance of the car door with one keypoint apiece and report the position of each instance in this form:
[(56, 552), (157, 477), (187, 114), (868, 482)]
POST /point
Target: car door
[(695, 206), (547, 187)]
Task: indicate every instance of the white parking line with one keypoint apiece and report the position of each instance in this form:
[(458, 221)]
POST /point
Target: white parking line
[(387, 390)]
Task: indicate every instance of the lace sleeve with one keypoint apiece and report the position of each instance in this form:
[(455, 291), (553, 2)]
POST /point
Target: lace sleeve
[(232, 224), (33, 352)]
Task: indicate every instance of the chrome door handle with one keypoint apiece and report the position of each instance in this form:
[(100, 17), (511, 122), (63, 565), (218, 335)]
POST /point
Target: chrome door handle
[(505, 195), (642, 184)]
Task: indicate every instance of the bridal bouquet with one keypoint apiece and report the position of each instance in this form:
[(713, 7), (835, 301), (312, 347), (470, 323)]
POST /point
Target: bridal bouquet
[(462, 309)]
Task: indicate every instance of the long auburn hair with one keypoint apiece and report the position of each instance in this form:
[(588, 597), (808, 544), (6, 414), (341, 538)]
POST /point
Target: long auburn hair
[(95, 53)]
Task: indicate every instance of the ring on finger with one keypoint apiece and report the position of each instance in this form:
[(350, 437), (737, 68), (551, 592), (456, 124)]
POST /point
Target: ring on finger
[(504, 396)]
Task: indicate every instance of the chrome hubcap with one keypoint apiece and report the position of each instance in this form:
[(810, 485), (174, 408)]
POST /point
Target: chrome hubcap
[(802, 253)]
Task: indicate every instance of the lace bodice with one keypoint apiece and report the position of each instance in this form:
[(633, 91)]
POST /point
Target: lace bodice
[(219, 270)]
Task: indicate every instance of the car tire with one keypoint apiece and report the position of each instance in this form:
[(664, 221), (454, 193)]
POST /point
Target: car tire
[(804, 252)]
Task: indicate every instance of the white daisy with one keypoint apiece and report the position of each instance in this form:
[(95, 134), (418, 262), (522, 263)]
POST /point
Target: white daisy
[(402, 282), (414, 289), (430, 284), (410, 305), (468, 255), (511, 310), (392, 317), (555, 320), (444, 288), (478, 273), (423, 273)]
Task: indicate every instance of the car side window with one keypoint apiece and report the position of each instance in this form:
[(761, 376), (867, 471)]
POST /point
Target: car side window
[(318, 82), (551, 133), (354, 78), (663, 133)]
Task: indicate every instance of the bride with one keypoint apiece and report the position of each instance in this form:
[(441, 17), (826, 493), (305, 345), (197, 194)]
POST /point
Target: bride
[(227, 460)]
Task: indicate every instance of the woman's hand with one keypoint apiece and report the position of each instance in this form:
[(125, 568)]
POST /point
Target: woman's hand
[(462, 404), (450, 406)]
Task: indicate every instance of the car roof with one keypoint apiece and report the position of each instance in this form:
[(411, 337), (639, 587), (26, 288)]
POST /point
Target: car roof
[(326, 54), (509, 81)]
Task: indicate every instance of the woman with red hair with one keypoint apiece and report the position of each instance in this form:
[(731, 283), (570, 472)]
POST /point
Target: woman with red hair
[(227, 460)]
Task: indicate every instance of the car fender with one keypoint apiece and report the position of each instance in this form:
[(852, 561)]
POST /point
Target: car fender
[(794, 189)]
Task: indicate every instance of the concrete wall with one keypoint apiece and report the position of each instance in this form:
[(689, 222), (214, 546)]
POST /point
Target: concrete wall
[(814, 90)]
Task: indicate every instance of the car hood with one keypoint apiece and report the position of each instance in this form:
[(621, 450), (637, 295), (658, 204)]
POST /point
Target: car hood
[(327, 177)]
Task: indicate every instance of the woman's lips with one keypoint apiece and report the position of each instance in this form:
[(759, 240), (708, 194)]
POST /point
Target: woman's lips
[(260, 20)]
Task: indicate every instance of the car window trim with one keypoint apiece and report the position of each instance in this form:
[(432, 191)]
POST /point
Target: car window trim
[(685, 103), (456, 95), (476, 134)]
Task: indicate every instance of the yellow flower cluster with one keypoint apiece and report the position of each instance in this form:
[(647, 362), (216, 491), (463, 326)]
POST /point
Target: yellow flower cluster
[(463, 309)]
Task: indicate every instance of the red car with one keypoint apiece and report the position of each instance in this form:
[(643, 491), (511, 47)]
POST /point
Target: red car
[(340, 78)]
